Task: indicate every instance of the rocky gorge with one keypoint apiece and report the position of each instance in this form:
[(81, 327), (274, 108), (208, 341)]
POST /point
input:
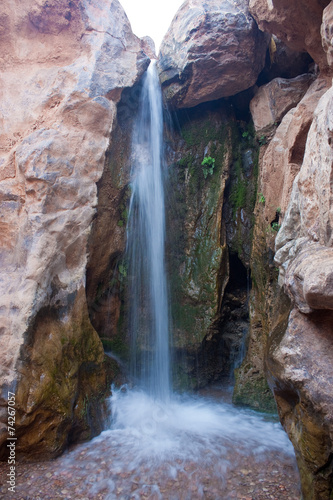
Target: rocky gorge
[(249, 153)]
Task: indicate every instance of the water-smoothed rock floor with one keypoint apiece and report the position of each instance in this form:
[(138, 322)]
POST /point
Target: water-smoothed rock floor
[(191, 448)]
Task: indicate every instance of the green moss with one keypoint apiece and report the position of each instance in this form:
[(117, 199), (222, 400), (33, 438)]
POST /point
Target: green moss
[(117, 345), (200, 132), (253, 392), (195, 249)]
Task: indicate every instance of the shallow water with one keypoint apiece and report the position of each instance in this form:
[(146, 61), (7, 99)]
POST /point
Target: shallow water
[(192, 447)]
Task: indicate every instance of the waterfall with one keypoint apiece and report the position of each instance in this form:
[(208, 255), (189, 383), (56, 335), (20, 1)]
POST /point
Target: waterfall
[(149, 322), (162, 444)]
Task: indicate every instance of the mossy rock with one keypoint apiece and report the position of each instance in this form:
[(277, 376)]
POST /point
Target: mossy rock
[(253, 392), (63, 381)]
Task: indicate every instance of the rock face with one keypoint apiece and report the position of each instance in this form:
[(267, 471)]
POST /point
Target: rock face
[(300, 364), (295, 178), (308, 220), (63, 67), (212, 50), (197, 256), (300, 355), (297, 24), (274, 100), (284, 156), (327, 33)]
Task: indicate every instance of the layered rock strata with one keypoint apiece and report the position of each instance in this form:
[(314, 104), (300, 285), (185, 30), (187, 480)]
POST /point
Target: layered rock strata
[(63, 67)]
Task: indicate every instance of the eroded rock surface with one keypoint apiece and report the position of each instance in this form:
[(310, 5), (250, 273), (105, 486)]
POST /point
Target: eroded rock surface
[(211, 50), (300, 364), (63, 67), (273, 100), (284, 155), (300, 361), (296, 23), (327, 33)]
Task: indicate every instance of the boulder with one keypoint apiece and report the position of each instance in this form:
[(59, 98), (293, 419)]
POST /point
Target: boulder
[(296, 23), (64, 65), (273, 100), (301, 375), (211, 50)]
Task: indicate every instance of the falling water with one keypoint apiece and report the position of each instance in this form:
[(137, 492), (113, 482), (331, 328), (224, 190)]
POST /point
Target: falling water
[(162, 445), (149, 325)]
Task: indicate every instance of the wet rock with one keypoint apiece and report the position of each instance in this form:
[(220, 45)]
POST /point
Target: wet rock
[(211, 50), (196, 252)]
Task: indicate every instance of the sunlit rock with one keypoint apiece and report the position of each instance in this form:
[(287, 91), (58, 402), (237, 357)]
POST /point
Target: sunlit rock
[(327, 33), (300, 360), (283, 157)]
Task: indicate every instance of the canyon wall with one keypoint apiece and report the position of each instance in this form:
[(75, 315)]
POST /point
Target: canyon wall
[(290, 335), (250, 246), (64, 65)]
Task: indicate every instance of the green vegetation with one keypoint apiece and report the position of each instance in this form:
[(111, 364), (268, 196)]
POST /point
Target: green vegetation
[(123, 208), (208, 165), (117, 345), (122, 268), (197, 133), (275, 226), (261, 198), (262, 140), (238, 191)]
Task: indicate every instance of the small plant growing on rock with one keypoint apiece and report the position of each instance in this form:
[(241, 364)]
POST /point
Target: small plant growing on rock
[(208, 165), (275, 226), (262, 198)]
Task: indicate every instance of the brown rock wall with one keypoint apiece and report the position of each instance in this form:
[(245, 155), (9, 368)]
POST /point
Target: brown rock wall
[(211, 50), (273, 100), (284, 156), (63, 68), (296, 23), (300, 360)]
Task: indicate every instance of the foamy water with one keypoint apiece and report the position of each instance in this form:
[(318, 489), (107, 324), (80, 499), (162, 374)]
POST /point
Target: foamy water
[(175, 450)]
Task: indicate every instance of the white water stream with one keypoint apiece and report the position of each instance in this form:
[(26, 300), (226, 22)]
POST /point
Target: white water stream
[(149, 323), (161, 445), (157, 436), (187, 448)]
